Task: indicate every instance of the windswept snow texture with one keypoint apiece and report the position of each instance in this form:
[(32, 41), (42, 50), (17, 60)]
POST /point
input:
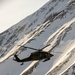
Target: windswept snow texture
[(53, 24)]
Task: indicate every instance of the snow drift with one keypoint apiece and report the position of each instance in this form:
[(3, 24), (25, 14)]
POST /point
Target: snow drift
[(53, 24)]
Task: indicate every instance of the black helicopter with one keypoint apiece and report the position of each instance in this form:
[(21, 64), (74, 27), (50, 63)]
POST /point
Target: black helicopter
[(37, 55)]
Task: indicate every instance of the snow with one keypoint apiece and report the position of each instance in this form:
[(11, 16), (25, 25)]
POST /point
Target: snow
[(26, 39), (45, 26), (63, 57), (54, 42), (59, 30), (67, 65)]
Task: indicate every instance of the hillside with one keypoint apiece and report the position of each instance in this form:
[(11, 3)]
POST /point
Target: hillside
[(53, 24)]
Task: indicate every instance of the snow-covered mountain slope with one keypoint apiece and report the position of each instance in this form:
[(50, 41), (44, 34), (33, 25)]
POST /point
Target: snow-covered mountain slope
[(52, 24)]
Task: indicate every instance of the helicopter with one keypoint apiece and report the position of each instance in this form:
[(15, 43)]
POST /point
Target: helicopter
[(37, 55)]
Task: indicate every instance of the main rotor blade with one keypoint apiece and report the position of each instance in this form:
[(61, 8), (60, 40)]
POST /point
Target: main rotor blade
[(35, 48), (30, 47), (44, 47)]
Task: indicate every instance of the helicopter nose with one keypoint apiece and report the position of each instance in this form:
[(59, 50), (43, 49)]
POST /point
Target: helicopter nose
[(50, 55)]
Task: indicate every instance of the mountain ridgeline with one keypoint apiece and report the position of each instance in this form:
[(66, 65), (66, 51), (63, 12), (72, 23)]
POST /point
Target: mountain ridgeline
[(54, 24)]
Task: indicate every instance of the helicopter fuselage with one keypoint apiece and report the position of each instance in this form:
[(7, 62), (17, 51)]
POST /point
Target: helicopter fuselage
[(39, 55)]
